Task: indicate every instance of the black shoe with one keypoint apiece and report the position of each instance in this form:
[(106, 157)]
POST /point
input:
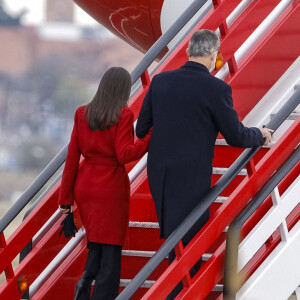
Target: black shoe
[(83, 289)]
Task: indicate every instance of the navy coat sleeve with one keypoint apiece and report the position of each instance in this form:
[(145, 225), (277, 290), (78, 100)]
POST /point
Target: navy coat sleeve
[(145, 119), (227, 121)]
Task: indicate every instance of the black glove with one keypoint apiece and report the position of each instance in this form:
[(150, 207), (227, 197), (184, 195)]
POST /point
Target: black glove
[(68, 226)]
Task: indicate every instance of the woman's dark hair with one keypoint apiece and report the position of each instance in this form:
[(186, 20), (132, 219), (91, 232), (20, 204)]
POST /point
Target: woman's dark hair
[(112, 94)]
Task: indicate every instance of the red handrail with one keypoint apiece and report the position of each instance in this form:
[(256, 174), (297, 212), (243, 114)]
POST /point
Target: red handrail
[(240, 30), (212, 271)]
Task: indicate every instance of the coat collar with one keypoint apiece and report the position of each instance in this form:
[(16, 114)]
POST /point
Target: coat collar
[(194, 64)]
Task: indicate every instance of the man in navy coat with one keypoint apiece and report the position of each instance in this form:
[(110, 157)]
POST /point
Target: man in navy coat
[(187, 108)]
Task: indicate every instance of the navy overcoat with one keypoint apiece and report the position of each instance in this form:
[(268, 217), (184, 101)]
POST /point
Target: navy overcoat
[(187, 108)]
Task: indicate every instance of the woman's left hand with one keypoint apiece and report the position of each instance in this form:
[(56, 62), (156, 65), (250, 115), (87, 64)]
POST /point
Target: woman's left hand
[(65, 210)]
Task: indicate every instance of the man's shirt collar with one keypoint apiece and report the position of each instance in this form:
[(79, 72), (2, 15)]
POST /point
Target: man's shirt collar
[(197, 65)]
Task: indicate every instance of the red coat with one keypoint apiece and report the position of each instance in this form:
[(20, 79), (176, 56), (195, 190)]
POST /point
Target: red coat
[(101, 187)]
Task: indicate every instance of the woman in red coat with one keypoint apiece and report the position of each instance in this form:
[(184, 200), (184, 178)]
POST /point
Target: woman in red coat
[(103, 134)]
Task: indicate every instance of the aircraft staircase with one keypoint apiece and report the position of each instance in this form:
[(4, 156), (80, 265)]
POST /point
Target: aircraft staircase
[(255, 195)]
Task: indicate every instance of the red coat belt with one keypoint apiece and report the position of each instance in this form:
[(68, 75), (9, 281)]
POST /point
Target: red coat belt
[(98, 160)]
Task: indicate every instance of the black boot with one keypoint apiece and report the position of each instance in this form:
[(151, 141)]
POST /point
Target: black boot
[(83, 287)]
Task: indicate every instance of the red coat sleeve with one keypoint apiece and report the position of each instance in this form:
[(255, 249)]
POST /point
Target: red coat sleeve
[(66, 194), (126, 149)]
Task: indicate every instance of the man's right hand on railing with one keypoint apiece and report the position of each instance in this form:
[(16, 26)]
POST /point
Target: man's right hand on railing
[(267, 135)]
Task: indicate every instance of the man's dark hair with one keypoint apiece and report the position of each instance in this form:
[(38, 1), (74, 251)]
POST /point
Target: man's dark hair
[(112, 94), (203, 43)]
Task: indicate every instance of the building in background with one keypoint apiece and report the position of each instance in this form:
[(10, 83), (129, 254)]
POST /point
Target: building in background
[(59, 11), (24, 45), (46, 71)]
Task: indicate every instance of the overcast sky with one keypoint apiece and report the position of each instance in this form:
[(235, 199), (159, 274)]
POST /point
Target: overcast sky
[(36, 14)]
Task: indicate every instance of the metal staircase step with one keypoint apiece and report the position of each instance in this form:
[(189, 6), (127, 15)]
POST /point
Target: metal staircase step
[(153, 225), (148, 283), (221, 171), (221, 199), (136, 253)]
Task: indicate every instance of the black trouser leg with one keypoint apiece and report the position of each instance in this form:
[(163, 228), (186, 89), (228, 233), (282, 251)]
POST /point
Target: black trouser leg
[(179, 286), (93, 260), (92, 264), (108, 276), (186, 239)]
